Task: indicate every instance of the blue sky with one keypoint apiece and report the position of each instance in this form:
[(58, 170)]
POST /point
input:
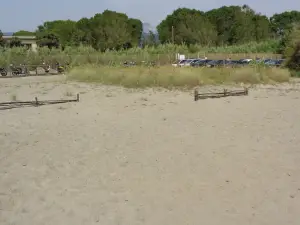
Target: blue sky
[(28, 14)]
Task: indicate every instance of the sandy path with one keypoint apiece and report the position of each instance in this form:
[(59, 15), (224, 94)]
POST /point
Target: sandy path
[(148, 158)]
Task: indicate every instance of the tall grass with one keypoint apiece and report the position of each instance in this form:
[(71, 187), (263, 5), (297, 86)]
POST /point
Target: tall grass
[(162, 54), (169, 77)]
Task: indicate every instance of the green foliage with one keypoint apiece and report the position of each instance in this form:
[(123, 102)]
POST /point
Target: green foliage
[(161, 54), (292, 49), (2, 41), (150, 40), (188, 26), (107, 30), (283, 23), (49, 40), (24, 33), (236, 25), (194, 30), (15, 42)]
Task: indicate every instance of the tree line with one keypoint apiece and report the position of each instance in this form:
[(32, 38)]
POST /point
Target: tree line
[(227, 25)]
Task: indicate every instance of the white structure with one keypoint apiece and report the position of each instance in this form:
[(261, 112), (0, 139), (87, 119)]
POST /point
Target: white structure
[(25, 40)]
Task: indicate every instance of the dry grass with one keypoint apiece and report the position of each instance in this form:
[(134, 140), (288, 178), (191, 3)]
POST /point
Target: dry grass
[(169, 77)]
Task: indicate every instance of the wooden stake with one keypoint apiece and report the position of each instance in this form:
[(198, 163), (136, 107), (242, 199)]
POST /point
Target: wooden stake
[(196, 95), (36, 101)]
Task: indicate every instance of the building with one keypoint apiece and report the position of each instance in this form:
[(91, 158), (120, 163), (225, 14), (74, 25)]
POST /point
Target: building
[(29, 41)]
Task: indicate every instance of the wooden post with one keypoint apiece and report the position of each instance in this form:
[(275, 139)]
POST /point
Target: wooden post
[(196, 95), (77, 98), (225, 92), (36, 101)]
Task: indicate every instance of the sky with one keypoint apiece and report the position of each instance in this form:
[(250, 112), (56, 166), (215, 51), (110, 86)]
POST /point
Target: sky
[(28, 14)]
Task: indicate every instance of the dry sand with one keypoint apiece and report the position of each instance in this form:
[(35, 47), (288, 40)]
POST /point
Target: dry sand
[(148, 157)]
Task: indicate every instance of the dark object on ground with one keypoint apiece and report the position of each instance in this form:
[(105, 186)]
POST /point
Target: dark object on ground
[(20, 104), (46, 67), (223, 94), (200, 62), (16, 70), (60, 68), (131, 63), (3, 71)]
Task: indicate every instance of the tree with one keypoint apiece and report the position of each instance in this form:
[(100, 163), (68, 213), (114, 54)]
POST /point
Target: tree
[(49, 40), (83, 32), (24, 33), (283, 22), (107, 30), (292, 50), (235, 24), (110, 30), (187, 26), (262, 28), (15, 42), (150, 39), (62, 30), (2, 41), (136, 31)]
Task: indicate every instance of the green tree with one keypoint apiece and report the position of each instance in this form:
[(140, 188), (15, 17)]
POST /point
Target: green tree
[(136, 31), (150, 39), (110, 30), (62, 29), (83, 32), (292, 49), (15, 42), (283, 22), (236, 25), (24, 33), (187, 26), (49, 40), (262, 27), (2, 41), (107, 30)]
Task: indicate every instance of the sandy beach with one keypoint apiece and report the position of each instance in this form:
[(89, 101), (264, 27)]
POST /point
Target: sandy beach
[(149, 157)]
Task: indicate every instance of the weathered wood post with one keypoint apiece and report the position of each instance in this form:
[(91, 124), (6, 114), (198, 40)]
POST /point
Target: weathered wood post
[(36, 101), (77, 100), (196, 95), (225, 92)]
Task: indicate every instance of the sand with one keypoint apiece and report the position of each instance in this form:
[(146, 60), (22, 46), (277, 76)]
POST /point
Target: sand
[(148, 157)]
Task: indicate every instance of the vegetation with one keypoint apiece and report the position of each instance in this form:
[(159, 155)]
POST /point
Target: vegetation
[(24, 33), (292, 50), (225, 26), (166, 77), (2, 42), (162, 54), (110, 38)]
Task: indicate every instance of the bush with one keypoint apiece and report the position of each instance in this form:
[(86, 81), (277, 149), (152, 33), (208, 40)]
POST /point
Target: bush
[(292, 50)]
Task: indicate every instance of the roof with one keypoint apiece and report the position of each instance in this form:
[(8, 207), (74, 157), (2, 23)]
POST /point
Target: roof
[(20, 37)]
